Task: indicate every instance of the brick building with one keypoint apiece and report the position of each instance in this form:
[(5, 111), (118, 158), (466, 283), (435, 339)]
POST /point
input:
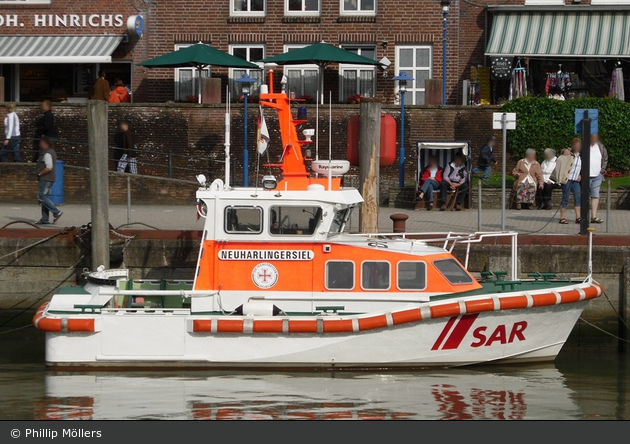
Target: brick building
[(408, 33), (53, 48)]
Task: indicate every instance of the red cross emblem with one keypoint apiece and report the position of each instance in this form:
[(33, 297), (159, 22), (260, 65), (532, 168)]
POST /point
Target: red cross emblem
[(264, 275)]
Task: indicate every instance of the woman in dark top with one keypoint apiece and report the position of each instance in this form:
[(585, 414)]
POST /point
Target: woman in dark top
[(127, 150)]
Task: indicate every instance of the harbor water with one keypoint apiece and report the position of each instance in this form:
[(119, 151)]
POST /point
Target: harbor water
[(579, 385)]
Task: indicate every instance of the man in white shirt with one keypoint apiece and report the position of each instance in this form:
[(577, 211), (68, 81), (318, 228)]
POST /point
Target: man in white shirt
[(598, 165), (12, 135)]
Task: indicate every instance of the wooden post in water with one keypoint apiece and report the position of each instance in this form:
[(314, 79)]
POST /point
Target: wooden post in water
[(369, 160), (98, 149)]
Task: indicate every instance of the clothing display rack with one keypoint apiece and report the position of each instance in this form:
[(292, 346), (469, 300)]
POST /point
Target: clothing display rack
[(518, 83)]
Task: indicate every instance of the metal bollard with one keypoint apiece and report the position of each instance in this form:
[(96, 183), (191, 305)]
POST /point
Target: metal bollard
[(399, 220), (479, 183), (608, 206)]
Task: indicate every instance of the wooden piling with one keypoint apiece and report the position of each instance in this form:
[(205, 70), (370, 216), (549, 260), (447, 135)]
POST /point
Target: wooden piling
[(369, 160), (98, 150)]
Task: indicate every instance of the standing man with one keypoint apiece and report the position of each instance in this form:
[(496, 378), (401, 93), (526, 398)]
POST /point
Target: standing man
[(599, 163), (45, 127), (128, 152), (12, 136), (486, 158), (47, 176), (100, 88)]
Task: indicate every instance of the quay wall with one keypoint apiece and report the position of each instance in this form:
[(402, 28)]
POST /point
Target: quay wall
[(30, 273), (194, 134)]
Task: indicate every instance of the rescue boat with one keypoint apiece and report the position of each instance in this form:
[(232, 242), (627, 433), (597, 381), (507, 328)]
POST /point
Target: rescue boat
[(281, 284)]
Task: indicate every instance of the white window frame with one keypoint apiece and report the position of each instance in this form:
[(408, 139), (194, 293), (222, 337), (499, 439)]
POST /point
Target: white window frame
[(347, 67), (354, 275), (235, 13), (398, 276), (544, 2), (302, 68), (609, 2), (178, 71), (411, 86), (256, 85), (389, 275), (342, 10), (302, 13)]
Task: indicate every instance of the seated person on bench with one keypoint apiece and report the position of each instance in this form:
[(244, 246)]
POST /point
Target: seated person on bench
[(455, 180), (430, 180)]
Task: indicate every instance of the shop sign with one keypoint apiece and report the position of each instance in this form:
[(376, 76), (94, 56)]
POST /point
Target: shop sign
[(62, 21), (501, 67)]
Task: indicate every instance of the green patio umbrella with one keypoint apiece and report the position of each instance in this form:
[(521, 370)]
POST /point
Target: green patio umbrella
[(197, 56), (320, 54)]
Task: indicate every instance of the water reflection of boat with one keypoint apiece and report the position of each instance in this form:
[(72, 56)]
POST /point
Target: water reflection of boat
[(524, 393)]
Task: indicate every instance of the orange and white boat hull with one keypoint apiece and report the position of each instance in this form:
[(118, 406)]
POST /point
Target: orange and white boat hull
[(506, 327)]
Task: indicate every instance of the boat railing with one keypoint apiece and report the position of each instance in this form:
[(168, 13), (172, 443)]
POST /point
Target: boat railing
[(450, 239)]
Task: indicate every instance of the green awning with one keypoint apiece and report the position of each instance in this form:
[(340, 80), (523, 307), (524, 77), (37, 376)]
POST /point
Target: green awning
[(560, 34)]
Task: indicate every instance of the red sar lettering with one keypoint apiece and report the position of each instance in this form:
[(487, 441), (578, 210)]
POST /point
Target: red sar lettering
[(499, 334)]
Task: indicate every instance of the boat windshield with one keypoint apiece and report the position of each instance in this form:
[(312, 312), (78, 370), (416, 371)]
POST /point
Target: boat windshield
[(339, 222)]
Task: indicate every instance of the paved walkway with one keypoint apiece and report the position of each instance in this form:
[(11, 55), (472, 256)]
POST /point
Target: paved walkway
[(184, 218)]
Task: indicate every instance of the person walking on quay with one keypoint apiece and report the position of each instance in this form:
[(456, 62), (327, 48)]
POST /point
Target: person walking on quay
[(128, 153), (548, 166), (12, 136), (529, 177), (45, 127), (100, 88), (486, 158), (47, 176), (454, 180), (567, 175), (599, 163)]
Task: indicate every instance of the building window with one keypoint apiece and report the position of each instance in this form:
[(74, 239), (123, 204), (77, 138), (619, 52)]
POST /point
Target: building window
[(187, 81), (251, 53), (294, 220), (549, 2), (358, 7), (243, 220), (412, 275), (248, 7), (375, 275), (358, 79), (302, 7), (302, 80), (416, 61), (453, 272), (339, 275)]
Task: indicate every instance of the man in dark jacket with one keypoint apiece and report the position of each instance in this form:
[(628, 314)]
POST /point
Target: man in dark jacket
[(46, 175), (45, 127), (486, 158), (127, 151)]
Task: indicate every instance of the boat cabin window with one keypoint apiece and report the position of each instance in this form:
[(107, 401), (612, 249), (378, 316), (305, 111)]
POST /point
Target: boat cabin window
[(453, 272), (339, 275), (412, 275), (375, 275), (243, 220), (294, 220), (340, 220)]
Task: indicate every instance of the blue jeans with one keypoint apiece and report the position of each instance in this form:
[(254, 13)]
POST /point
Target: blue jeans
[(14, 147), (428, 187), (595, 184), (485, 170), (572, 186), (43, 195)]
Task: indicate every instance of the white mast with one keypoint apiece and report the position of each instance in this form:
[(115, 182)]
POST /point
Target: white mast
[(227, 138)]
